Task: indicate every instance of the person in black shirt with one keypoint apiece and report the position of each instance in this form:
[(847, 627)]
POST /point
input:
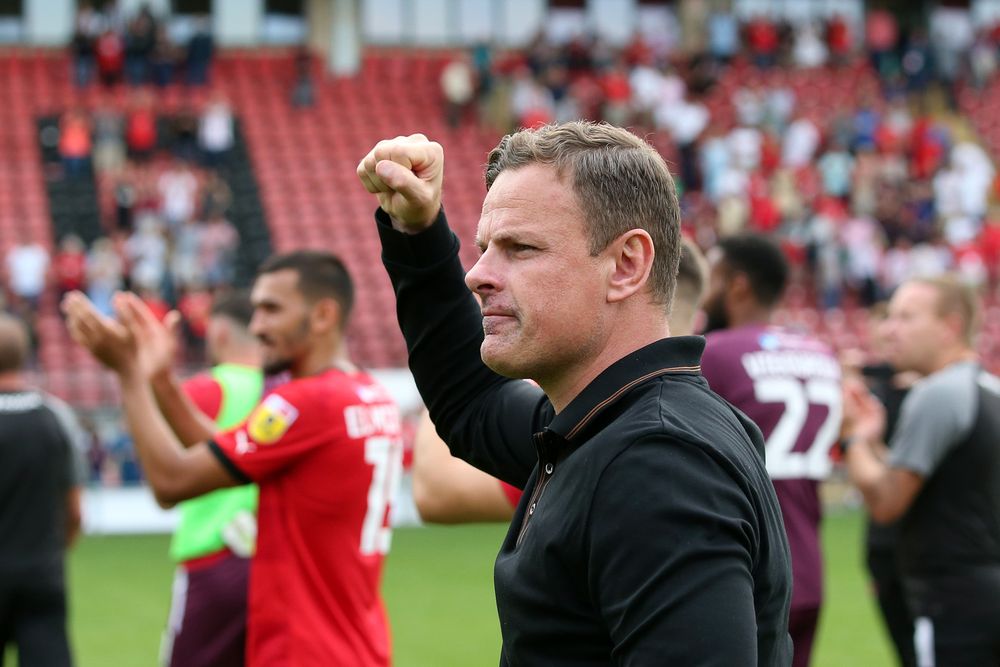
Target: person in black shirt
[(41, 469), (648, 532)]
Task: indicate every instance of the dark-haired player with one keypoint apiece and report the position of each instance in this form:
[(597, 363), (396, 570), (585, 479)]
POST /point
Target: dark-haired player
[(324, 449), (787, 382)]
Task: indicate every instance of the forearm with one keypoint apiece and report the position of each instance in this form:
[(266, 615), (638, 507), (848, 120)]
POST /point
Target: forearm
[(160, 453), (869, 473), (188, 423)]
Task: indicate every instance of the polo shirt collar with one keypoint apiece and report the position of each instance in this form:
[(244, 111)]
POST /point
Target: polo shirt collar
[(680, 355)]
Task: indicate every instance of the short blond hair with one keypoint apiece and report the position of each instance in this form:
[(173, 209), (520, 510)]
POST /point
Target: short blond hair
[(621, 183), (956, 297)]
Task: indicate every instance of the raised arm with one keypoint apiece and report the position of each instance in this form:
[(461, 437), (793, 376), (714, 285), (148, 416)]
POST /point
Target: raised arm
[(174, 473), (486, 419), (157, 351)]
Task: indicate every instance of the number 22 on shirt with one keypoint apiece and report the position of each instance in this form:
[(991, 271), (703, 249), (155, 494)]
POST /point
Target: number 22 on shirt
[(787, 457)]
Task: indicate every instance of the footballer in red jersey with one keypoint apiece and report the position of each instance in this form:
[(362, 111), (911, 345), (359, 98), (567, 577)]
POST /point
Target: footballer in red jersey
[(324, 448)]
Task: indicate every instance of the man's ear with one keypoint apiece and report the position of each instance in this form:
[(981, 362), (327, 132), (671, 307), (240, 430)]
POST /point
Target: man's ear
[(326, 315), (632, 253)]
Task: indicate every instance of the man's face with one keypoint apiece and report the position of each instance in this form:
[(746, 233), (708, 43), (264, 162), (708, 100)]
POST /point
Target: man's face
[(543, 295), (716, 314), (280, 320), (914, 331)]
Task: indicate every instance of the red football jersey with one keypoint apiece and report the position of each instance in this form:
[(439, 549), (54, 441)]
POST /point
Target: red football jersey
[(326, 452)]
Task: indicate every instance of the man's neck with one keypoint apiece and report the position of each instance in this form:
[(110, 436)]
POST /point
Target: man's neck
[(12, 381), (562, 390), (950, 357)]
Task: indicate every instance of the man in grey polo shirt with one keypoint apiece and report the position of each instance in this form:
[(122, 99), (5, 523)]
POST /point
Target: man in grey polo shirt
[(941, 476)]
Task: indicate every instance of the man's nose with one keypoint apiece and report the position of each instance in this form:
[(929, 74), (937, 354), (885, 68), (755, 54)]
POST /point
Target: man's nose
[(483, 278)]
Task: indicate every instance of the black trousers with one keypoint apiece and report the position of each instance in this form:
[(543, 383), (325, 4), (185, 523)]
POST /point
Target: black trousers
[(956, 617), (891, 597), (33, 618)]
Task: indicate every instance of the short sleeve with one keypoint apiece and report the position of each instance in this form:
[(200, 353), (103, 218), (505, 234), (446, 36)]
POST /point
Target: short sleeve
[(206, 393), (76, 438), (936, 416), (512, 493), (282, 430)]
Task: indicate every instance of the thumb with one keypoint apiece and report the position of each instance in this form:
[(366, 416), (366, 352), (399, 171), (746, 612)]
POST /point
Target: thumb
[(398, 178)]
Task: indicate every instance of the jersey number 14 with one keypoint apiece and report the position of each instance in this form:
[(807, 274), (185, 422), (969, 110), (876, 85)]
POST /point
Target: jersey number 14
[(385, 454)]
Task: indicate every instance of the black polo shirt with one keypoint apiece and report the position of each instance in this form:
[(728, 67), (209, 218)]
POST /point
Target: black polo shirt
[(649, 532)]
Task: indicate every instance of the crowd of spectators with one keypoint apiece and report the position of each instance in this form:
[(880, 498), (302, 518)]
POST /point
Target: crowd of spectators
[(114, 47), (163, 207), (882, 183)]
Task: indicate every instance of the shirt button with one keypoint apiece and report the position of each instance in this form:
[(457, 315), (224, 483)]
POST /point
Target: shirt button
[(548, 468), (531, 510)]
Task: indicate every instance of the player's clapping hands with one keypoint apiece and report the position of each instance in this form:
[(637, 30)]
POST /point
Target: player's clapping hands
[(133, 343), (406, 175), (864, 415)]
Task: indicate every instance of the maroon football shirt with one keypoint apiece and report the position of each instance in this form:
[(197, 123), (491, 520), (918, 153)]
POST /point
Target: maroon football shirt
[(789, 385)]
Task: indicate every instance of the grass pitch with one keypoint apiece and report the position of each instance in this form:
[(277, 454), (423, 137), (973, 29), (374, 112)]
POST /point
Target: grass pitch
[(439, 591)]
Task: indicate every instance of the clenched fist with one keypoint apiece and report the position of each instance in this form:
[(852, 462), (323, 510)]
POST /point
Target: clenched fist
[(406, 175)]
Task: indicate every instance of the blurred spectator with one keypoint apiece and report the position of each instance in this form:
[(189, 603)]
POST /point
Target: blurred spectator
[(186, 260), (69, 266), (800, 143), (531, 102), (195, 306), (146, 254), (110, 54), (219, 242), (104, 274), (723, 35), (458, 86), (983, 59), (200, 50), (27, 265), (163, 58), (809, 50), (109, 140), (140, 35), (917, 63), (125, 198), (216, 130), (216, 197), (685, 123), (184, 133), (836, 167), (75, 142), (178, 189), (140, 128), (85, 33), (838, 39), (617, 93), (952, 36), (881, 38), (762, 40)]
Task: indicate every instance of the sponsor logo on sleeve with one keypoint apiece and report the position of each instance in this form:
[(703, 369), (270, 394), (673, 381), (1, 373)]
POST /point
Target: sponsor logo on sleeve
[(271, 419)]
